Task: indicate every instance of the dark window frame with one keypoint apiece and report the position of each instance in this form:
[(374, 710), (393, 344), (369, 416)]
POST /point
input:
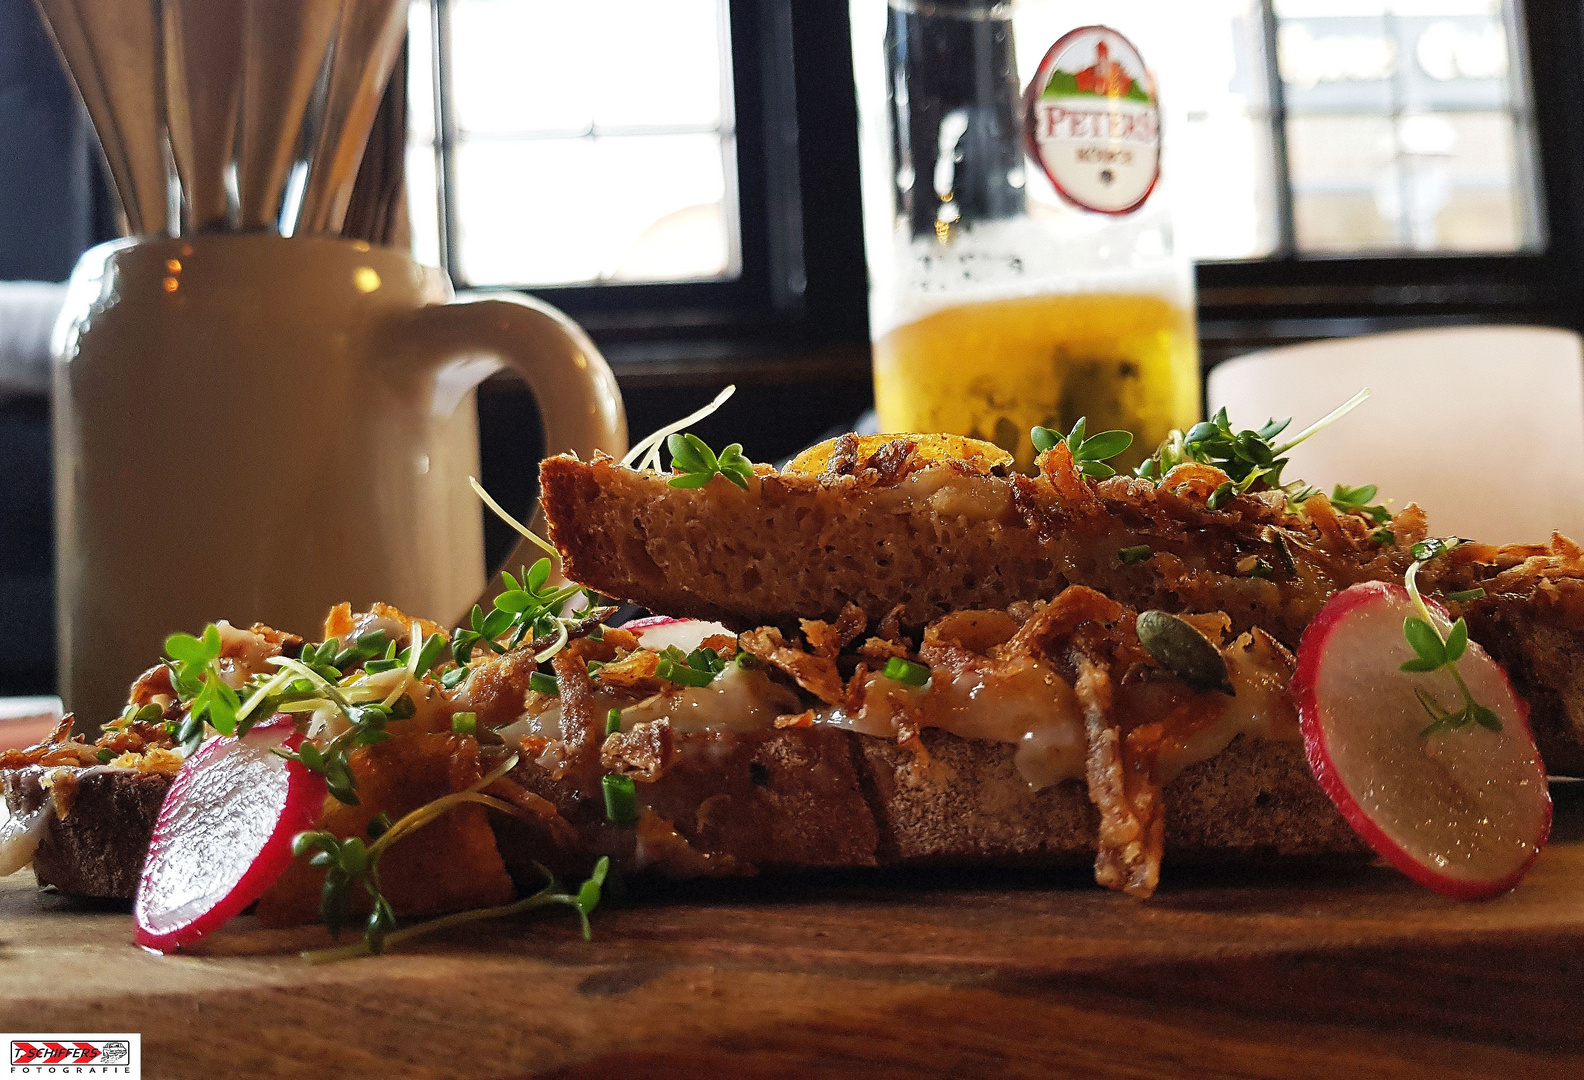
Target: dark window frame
[(797, 160), (774, 299)]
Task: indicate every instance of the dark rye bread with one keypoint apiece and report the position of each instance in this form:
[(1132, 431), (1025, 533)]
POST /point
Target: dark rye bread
[(96, 848), (793, 800), (821, 798)]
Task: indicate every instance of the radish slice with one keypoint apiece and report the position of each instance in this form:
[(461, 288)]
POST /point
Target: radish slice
[(224, 834), (659, 631), (1464, 812)]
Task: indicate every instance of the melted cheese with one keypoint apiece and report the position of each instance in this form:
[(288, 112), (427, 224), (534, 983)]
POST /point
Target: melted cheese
[(1026, 703), (1262, 709), (243, 654), (737, 700), (949, 493), (20, 835)]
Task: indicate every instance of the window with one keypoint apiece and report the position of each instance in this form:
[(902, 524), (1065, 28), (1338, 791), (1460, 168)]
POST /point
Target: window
[(578, 143), (1321, 127), (1367, 162), (1407, 126)]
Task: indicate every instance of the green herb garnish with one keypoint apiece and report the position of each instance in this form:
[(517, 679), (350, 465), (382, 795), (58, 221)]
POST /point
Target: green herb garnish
[(1355, 500), (1465, 596), (1435, 652), (1135, 554), (544, 684), (621, 799), (681, 674), (584, 901), (613, 722), (464, 723), (365, 727), (698, 464), (529, 608), (1089, 452), (350, 864), (697, 668), (1248, 457), (906, 672), (195, 674), (1284, 553)]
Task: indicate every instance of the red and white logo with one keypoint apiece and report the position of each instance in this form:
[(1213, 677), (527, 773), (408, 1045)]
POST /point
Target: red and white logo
[(1092, 121), (74, 1055)]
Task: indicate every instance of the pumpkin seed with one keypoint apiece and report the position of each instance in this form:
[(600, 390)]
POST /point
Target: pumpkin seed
[(1185, 652)]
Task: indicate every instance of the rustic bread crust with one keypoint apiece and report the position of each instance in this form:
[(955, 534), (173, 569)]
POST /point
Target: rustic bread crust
[(794, 800), (804, 798), (97, 848)]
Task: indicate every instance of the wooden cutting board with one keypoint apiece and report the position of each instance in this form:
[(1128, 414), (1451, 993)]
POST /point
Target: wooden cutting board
[(1352, 973)]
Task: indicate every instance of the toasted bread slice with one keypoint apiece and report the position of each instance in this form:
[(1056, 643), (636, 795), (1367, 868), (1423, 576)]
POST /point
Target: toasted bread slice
[(95, 825), (904, 535), (822, 799)]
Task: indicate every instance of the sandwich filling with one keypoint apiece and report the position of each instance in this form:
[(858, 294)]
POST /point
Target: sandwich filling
[(1071, 684)]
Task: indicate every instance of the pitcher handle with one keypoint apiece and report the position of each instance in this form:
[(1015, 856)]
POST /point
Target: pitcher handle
[(580, 405)]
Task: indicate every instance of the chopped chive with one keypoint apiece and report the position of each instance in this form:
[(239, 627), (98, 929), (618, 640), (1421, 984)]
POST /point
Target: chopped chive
[(621, 799), (106, 755), (429, 654), (905, 671), (1284, 554), (1465, 596), (1135, 554), (594, 666), (613, 722), (544, 684), (464, 723), (681, 674), (1384, 537)]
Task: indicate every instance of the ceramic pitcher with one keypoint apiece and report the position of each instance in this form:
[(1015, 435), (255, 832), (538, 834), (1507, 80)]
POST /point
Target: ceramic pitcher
[(254, 427)]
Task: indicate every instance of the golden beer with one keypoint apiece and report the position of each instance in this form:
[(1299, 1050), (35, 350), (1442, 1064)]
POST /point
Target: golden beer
[(993, 369)]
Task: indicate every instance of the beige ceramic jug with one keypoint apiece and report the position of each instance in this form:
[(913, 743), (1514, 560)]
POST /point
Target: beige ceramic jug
[(254, 427)]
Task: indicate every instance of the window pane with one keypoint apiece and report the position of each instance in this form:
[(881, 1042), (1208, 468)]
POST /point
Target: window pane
[(420, 73), (423, 206), (1407, 126), (506, 77), (661, 65), (614, 63), (637, 208), (608, 156)]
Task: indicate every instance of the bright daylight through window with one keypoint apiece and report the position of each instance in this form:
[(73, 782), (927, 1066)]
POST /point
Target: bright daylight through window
[(581, 143), (1379, 127)]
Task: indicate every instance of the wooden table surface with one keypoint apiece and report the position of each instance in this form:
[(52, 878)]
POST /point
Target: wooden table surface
[(1352, 973)]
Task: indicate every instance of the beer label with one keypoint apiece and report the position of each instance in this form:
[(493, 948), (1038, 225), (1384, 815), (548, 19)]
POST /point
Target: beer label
[(1092, 121)]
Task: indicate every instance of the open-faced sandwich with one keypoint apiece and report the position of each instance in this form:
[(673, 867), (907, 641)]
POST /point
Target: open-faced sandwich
[(895, 651)]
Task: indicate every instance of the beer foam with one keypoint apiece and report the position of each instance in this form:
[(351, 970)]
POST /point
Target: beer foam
[(1054, 251)]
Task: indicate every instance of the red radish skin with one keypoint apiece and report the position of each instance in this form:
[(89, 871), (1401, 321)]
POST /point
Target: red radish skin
[(638, 626), (224, 834), (659, 631), (1350, 604)]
